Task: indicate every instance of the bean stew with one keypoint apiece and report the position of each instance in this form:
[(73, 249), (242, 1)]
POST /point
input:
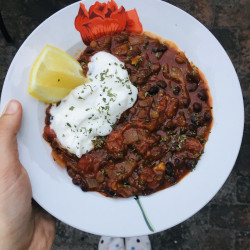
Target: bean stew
[(160, 139)]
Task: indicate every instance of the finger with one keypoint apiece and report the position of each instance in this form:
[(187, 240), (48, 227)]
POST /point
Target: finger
[(10, 122)]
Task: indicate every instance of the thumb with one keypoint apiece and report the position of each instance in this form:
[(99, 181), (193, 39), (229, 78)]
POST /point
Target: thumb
[(10, 122)]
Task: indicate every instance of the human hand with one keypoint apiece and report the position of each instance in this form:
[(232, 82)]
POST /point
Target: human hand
[(22, 225)]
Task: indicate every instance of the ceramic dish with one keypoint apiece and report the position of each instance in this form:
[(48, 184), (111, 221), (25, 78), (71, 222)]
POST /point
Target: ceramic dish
[(92, 212)]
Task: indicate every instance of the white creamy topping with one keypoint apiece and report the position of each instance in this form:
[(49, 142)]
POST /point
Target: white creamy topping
[(92, 109)]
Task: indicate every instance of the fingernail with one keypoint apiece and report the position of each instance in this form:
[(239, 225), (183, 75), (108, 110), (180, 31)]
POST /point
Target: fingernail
[(11, 108)]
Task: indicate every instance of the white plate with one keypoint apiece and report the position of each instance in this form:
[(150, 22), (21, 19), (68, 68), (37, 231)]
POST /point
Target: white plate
[(91, 212)]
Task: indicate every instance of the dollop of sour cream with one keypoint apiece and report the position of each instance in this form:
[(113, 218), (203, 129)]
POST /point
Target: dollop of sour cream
[(92, 109)]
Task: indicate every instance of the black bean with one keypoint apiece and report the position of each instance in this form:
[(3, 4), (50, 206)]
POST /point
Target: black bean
[(193, 119), (71, 172), (193, 77), (176, 90), (174, 146), (192, 127), (179, 163), (156, 67), (111, 193), (170, 125), (153, 90), (202, 94), (176, 162), (191, 134), (174, 179), (183, 130), (159, 48), (186, 102), (169, 168), (197, 120), (190, 164), (77, 180), (192, 86), (207, 117), (161, 84), (84, 187), (197, 107)]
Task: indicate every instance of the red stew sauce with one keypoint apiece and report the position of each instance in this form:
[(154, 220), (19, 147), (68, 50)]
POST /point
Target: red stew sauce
[(161, 138)]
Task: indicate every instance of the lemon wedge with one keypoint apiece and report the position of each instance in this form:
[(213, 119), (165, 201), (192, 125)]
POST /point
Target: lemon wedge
[(54, 74)]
